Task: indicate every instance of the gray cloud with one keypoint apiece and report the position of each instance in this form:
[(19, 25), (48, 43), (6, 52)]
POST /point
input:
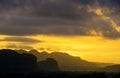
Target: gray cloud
[(21, 39), (18, 46), (59, 17)]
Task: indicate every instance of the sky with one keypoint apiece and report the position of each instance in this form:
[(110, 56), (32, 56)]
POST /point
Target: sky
[(89, 29)]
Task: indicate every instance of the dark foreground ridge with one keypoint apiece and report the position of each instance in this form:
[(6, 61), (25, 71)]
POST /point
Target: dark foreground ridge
[(25, 65), (13, 62), (61, 75)]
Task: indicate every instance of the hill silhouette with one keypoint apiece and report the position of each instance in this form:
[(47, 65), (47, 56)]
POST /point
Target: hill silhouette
[(49, 65), (112, 68), (11, 61), (66, 62)]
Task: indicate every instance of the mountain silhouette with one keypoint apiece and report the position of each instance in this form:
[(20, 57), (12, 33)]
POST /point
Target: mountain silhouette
[(13, 62), (66, 62), (48, 65), (112, 68), (19, 61)]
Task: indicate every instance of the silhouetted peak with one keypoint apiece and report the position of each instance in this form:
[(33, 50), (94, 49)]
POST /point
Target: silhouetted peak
[(44, 52), (7, 52), (48, 65), (21, 51), (60, 53), (112, 68), (12, 61), (34, 51), (30, 55), (66, 55)]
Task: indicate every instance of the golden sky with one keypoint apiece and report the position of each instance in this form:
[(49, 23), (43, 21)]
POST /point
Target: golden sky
[(91, 48)]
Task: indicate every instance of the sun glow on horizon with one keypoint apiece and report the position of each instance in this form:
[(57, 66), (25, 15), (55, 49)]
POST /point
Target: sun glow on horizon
[(91, 48)]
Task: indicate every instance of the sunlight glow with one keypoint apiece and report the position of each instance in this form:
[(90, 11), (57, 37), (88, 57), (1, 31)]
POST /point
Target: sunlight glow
[(91, 48)]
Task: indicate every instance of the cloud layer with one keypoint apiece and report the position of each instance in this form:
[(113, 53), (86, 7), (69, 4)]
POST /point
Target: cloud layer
[(20, 39), (60, 17)]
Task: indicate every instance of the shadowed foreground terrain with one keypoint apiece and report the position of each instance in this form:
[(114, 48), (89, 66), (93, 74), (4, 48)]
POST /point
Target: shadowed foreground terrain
[(25, 65), (13, 62), (61, 75)]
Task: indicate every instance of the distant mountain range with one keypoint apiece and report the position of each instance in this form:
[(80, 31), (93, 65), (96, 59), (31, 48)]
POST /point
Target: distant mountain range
[(67, 62), (112, 68)]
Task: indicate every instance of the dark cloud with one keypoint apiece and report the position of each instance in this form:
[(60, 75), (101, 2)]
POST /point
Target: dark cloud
[(21, 39), (59, 17), (111, 8), (18, 46), (13, 25), (109, 3), (55, 8), (30, 25)]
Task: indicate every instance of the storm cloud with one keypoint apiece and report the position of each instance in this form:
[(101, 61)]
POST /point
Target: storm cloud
[(59, 17)]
